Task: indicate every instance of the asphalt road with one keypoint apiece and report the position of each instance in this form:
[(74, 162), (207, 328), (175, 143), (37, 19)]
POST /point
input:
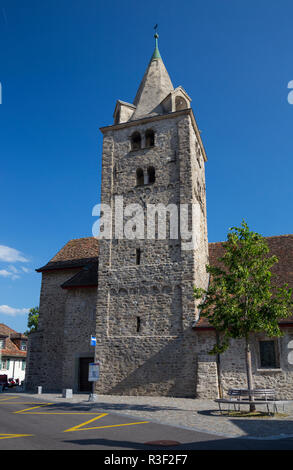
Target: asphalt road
[(36, 425)]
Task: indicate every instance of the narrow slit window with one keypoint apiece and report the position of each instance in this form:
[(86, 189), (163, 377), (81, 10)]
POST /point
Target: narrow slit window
[(138, 256), (138, 324)]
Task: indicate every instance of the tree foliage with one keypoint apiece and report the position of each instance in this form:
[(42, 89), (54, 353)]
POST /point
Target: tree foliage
[(241, 297), (32, 321)]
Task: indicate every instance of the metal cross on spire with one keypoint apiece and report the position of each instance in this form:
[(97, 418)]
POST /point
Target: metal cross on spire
[(156, 54)]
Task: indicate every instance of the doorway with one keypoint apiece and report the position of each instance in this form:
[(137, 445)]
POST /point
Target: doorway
[(84, 384)]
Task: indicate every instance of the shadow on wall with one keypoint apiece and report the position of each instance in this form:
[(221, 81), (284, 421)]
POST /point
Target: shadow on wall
[(171, 371)]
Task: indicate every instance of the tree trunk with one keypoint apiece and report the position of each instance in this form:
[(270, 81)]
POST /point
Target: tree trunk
[(220, 391), (249, 374)]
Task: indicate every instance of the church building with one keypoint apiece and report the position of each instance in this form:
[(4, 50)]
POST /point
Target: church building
[(135, 294)]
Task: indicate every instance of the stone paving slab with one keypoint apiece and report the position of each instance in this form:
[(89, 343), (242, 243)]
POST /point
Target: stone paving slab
[(193, 414)]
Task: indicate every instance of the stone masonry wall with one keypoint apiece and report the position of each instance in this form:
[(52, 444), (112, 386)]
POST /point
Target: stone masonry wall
[(233, 370), (49, 340), (79, 325), (159, 358)]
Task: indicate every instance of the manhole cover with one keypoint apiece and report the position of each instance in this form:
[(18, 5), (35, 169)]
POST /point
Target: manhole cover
[(163, 443)]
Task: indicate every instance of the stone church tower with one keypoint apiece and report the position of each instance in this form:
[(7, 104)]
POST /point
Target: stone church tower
[(152, 154)]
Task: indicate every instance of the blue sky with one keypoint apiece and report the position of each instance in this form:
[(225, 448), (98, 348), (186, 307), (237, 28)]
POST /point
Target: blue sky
[(63, 65)]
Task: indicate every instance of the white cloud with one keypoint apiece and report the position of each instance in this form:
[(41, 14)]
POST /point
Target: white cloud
[(11, 274), (13, 269), (25, 270), (11, 311), (11, 255)]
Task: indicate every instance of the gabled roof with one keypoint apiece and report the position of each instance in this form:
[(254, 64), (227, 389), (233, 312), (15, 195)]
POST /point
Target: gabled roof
[(76, 253), (11, 349), (280, 246)]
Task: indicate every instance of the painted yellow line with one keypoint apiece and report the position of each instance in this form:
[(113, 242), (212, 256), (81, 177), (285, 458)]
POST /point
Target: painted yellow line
[(75, 428), (56, 413), (20, 403), (11, 436), (7, 398), (27, 409), (109, 426)]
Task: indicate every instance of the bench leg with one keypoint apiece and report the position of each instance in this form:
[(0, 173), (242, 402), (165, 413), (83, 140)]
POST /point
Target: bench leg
[(276, 408), (268, 408)]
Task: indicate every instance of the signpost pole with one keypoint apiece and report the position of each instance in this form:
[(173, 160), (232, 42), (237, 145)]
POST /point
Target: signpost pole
[(94, 372)]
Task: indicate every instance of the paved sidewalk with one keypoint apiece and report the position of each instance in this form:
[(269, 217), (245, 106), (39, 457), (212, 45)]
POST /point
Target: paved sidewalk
[(194, 414)]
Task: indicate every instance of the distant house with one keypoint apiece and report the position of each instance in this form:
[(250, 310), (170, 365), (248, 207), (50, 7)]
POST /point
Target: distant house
[(13, 347)]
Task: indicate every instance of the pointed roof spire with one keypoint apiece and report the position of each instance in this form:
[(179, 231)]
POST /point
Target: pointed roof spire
[(156, 54), (155, 86)]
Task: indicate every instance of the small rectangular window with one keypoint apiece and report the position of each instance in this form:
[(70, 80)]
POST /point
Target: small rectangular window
[(137, 324), (5, 364), (268, 358), (138, 256)]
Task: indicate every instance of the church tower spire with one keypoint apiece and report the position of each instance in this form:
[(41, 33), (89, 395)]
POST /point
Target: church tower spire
[(155, 86), (156, 54)]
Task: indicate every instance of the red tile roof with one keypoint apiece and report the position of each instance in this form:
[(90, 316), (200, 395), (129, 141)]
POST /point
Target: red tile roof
[(11, 348), (76, 253)]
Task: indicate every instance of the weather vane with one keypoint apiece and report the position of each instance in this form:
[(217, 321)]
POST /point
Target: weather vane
[(155, 28)]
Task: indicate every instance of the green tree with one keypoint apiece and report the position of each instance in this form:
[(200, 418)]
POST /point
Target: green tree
[(241, 298), (33, 319)]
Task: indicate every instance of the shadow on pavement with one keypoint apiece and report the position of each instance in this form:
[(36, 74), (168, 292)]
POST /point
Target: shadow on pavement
[(218, 444), (115, 406)]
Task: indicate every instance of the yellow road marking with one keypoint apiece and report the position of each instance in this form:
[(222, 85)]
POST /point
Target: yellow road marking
[(112, 426), (81, 427), (56, 413), (33, 408), (11, 436), (75, 428), (20, 403), (7, 398)]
